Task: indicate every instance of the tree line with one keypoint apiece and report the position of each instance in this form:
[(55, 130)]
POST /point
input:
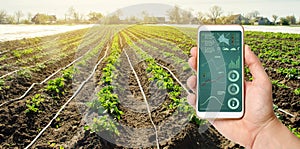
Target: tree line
[(216, 15), (71, 16), (175, 15)]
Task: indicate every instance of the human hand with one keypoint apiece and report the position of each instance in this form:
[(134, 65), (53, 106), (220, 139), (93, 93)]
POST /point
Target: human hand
[(258, 103)]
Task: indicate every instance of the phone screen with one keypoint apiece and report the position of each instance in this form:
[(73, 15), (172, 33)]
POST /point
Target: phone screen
[(220, 71)]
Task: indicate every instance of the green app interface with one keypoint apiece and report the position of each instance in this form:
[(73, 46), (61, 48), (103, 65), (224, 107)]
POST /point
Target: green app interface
[(220, 71)]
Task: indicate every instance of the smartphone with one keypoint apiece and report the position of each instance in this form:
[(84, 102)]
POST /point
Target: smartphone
[(220, 75)]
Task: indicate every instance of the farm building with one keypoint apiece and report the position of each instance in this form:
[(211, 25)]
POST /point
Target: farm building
[(44, 19), (262, 21), (238, 19)]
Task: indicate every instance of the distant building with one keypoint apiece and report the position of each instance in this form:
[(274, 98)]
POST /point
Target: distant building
[(44, 19), (238, 19), (262, 21)]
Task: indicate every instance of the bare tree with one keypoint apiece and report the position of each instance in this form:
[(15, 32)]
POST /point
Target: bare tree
[(186, 16), (19, 14), (29, 17), (73, 15), (10, 19), (145, 16), (174, 14), (252, 15), (113, 18), (3, 16), (275, 17), (200, 16), (214, 13), (255, 13)]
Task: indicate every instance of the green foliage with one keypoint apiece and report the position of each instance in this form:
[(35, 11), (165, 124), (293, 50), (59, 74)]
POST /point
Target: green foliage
[(57, 121), (17, 53), (33, 104), (108, 101), (2, 82), (295, 131), (289, 72), (68, 73), (3, 58), (275, 109), (279, 84), (104, 123), (25, 73), (51, 144), (297, 91), (27, 51), (39, 67), (108, 76), (56, 87), (86, 127)]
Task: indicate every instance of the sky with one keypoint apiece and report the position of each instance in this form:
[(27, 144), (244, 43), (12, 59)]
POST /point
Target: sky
[(59, 7)]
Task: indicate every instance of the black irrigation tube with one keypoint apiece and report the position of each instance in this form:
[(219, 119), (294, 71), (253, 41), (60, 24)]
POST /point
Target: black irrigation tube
[(73, 96)]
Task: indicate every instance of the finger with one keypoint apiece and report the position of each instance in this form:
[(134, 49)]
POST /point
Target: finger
[(192, 83), (194, 52), (193, 63), (256, 68), (191, 99)]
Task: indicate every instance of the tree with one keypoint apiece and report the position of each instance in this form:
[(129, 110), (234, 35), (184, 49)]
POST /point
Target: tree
[(114, 18), (200, 16), (174, 14), (3, 16), (73, 14), (146, 16), (275, 17), (95, 16), (255, 13), (18, 15), (131, 20), (252, 15), (214, 13), (223, 20), (10, 19), (291, 19), (28, 19), (284, 21), (186, 16)]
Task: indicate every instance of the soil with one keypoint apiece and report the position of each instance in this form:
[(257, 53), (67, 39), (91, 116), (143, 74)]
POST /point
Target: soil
[(17, 128), (18, 84)]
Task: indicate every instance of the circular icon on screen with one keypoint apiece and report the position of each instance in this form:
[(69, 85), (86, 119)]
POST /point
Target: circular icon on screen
[(233, 103), (233, 89), (233, 76)]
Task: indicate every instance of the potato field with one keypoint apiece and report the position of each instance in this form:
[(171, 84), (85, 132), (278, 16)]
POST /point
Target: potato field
[(117, 86)]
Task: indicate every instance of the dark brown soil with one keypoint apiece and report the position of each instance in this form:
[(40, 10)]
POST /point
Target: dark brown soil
[(18, 129)]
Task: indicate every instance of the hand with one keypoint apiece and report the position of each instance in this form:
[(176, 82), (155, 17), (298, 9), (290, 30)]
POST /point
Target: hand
[(259, 113)]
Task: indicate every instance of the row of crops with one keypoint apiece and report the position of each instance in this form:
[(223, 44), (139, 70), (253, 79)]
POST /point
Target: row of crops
[(113, 86)]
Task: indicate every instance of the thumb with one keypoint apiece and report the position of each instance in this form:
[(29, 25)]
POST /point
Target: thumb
[(260, 77)]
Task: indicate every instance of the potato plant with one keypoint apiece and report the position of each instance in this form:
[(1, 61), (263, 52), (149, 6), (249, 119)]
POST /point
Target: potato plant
[(56, 87), (107, 101), (34, 103), (164, 81)]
